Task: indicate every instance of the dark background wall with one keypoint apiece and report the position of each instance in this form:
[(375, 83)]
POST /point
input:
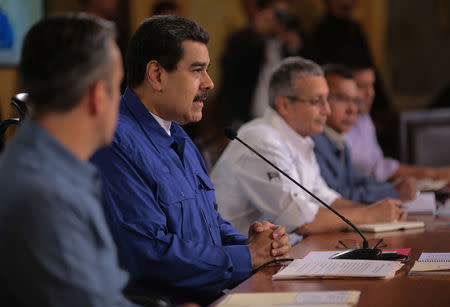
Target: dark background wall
[(417, 50)]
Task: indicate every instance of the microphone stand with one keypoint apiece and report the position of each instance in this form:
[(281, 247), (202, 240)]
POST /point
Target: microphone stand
[(357, 253)]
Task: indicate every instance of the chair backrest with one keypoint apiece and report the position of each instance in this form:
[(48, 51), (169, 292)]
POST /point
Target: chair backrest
[(19, 103)]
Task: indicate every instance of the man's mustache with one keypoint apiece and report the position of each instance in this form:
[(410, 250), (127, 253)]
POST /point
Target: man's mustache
[(202, 96)]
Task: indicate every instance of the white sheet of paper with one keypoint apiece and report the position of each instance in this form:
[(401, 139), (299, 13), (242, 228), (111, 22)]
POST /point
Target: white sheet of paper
[(327, 297), (337, 268), (297, 299), (425, 202)]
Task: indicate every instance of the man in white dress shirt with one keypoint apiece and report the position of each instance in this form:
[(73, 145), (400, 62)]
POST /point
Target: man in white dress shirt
[(248, 189)]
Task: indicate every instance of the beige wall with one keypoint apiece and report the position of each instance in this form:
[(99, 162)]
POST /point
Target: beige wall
[(218, 17), (8, 76), (8, 80)]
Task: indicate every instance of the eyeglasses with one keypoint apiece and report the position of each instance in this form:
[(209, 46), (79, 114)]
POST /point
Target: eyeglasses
[(343, 99), (315, 102), (350, 243)]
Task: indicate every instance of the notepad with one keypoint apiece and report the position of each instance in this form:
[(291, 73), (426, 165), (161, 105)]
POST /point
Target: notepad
[(285, 299), (382, 227), (432, 264), (434, 257), (338, 268)]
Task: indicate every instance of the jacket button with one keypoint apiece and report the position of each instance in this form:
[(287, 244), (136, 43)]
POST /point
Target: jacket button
[(182, 193)]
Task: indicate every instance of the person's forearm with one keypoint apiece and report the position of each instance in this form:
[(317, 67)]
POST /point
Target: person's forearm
[(342, 203), (327, 221), (405, 170)]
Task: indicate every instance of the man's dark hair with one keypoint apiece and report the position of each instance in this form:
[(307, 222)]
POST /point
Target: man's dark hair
[(338, 69), (159, 8), (62, 57), (263, 4), (160, 38)]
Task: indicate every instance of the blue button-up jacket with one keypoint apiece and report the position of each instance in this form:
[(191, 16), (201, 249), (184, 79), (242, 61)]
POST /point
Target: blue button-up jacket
[(159, 203)]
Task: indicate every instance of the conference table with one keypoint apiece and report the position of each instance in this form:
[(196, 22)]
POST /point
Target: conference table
[(402, 290)]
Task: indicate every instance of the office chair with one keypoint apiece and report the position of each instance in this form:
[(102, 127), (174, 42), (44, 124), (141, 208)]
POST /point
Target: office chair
[(19, 104)]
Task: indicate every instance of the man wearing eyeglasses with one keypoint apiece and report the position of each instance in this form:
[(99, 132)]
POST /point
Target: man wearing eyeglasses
[(248, 189), (332, 153)]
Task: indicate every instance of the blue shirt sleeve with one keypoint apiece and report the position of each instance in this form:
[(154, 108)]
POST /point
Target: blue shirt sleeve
[(345, 178), (65, 258), (157, 228)]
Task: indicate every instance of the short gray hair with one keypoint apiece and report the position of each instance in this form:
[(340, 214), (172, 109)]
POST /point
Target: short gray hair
[(286, 72)]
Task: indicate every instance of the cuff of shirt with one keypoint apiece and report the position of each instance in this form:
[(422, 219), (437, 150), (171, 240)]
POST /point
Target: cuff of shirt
[(384, 170), (298, 212), (241, 260)]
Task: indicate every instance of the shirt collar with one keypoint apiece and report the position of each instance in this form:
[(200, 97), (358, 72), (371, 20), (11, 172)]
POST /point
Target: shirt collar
[(335, 137), (149, 124), (299, 142), (165, 124)]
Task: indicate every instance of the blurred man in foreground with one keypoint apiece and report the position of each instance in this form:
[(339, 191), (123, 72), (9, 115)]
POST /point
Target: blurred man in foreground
[(56, 247)]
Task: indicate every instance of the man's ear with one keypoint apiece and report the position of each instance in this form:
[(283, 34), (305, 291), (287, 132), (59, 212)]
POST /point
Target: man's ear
[(97, 98), (153, 74), (282, 104)]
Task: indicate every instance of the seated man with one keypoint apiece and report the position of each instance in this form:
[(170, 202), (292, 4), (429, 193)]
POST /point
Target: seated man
[(365, 151), (249, 189), (159, 200), (332, 154), (56, 246)]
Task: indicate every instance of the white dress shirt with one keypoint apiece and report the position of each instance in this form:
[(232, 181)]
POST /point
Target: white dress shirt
[(248, 189), (365, 151)]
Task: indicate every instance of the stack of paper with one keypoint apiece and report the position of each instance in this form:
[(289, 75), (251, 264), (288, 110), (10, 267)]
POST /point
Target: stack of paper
[(314, 255), (424, 203), (432, 264), (444, 210), (285, 299), (337, 268), (428, 184)]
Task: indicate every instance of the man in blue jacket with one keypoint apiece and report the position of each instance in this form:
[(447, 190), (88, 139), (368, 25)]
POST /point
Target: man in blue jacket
[(332, 153), (159, 200)]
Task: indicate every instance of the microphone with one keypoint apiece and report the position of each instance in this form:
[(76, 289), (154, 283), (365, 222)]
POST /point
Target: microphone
[(357, 253)]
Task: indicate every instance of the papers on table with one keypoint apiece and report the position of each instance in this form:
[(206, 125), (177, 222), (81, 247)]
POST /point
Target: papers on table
[(434, 257), (444, 210), (432, 264), (285, 299), (337, 268), (382, 227), (314, 255), (428, 184), (424, 203)]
